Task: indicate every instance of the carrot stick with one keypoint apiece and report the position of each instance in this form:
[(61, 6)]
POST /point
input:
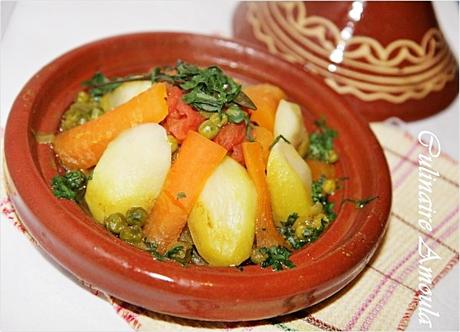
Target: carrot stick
[(266, 233), (320, 168), (82, 146), (197, 159), (266, 97), (265, 138)]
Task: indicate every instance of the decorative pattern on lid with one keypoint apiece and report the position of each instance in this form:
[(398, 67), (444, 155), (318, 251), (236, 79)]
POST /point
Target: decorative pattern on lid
[(356, 65)]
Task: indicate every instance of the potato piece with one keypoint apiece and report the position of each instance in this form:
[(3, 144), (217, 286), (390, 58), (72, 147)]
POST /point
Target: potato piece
[(222, 221), (289, 123), (123, 93), (289, 182), (130, 172)]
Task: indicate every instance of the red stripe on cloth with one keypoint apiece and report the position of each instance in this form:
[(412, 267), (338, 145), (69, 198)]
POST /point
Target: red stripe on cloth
[(403, 160), (404, 322), (385, 279), (403, 275)]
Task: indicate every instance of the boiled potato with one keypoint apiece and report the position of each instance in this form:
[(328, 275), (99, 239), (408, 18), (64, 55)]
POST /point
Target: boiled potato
[(289, 182), (222, 221), (123, 93), (289, 123), (130, 172)]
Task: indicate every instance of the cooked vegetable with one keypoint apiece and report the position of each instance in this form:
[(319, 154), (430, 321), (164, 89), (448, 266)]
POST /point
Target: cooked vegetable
[(132, 234), (136, 216), (83, 109), (219, 119), (298, 233), (99, 85), (173, 142), (208, 129), (166, 146), (222, 220), (289, 182), (82, 146), (265, 138), (320, 168), (115, 222), (321, 196), (289, 123), (266, 98), (230, 137), (266, 233), (71, 185), (130, 172), (122, 94), (196, 161), (276, 257), (322, 143), (182, 118), (208, 89)]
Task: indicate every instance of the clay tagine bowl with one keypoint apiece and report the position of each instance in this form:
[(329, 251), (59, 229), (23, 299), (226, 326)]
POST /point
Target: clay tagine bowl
[(384, 58), (88, 251)]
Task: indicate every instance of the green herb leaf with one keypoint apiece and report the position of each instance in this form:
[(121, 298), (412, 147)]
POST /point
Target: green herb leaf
[(277, 257), (181, 252), (277, 139), (322, 143), (236, 114), (318, 195), (310, 234), (70, 186), (359, 203), (99, 85), (243, 100)]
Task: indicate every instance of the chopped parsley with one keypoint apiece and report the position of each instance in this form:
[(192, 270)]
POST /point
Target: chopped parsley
[(359, 203), (99, 85), (180, 253), (322, 143), (318, 195), (277, 139), (310, 234), (277, 257), (71, 185)]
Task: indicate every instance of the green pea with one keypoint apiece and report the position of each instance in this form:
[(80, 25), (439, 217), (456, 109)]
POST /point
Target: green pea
[(115, 223), (136, 216), (173, 142), (219, 119), (131, 234), (208, 129), (235, 114)]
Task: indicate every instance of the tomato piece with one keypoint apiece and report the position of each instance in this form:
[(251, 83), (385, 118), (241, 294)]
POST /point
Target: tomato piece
[(231, 135), (237, 154), (182, 117)]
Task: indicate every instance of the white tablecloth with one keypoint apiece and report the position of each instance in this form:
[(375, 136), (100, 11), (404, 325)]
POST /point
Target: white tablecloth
[(36, 294)]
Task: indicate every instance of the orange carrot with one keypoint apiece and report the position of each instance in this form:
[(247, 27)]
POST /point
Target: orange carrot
[(265, 138), (82, 146), (266, 97), (319, 168), (266, 233), (197, 159)]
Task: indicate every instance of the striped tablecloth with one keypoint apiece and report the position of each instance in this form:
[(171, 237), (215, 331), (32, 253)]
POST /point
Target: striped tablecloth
[(388, 292)]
